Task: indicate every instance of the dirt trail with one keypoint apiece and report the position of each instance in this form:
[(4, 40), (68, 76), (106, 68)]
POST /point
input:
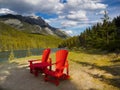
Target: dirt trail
[(14, 76)]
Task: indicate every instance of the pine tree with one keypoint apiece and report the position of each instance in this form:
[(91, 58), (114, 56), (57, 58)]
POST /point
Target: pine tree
[(105, 26)]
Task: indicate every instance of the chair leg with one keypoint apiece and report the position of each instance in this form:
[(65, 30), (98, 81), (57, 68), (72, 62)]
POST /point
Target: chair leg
[(46, 78), (67, 77), (36, 72), (57, 82), (31, 67), (31, 70)]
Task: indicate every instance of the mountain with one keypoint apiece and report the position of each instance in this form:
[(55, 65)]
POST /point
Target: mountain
[(31, 24), (14, 39)]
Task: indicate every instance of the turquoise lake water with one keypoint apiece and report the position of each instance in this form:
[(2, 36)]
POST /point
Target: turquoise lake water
[(22, 53)]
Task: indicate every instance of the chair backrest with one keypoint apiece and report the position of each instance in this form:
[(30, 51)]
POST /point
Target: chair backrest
[(61, 57), (45, 55)]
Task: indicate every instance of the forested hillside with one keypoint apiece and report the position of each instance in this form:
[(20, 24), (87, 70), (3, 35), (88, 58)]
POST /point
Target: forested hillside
[(11, 38), (105, 36)]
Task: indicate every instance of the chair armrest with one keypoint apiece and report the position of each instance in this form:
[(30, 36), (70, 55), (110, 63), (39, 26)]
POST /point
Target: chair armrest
[(50, 62), (66, 63), (67, 67), (34, 60)]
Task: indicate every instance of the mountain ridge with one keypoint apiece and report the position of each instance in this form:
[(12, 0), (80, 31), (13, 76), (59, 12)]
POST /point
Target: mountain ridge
[(32, 25)]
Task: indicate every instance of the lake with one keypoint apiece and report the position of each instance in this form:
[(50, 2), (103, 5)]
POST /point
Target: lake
[(22, 53)]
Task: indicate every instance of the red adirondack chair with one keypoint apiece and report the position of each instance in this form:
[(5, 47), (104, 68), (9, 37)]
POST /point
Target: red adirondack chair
[(60, 65), (40, 62)]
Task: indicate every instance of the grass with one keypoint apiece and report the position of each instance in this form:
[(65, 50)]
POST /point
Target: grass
[(97, 59), (89, 70), (102, 66)]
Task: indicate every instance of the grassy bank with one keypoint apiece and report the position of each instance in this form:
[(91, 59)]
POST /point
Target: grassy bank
[(102, 66)]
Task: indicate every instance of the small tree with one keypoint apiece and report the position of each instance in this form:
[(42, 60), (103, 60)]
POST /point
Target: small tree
[(29, 53), (11, 56)]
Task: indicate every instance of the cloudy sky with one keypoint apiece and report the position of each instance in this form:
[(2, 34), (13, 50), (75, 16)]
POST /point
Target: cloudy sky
[(72, 16)]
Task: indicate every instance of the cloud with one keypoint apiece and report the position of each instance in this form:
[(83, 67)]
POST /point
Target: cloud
[(50, 6), (34, 2), (32, 6), (74, 10), (69, 32), (68, 23), (76, 5), (6, 11), (47, 20), (77, 15), (102, 12), (93, 6)]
